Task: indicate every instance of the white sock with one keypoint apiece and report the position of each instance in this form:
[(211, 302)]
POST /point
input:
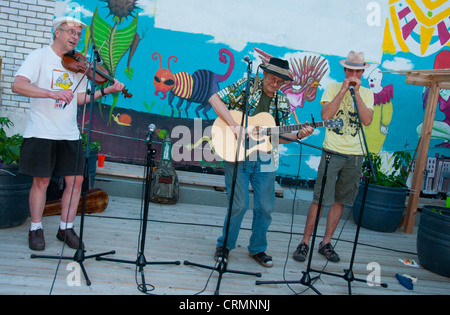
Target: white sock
[(64, 225), (35, 226)]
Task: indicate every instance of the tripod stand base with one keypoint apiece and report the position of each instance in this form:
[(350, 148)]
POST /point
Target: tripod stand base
[(349, 277), (140, 262), (306, 280), (221, 268), (79, 257)]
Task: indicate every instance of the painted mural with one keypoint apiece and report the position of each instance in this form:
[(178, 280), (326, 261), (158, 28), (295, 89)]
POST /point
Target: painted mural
[(172, 73), (195, 88)]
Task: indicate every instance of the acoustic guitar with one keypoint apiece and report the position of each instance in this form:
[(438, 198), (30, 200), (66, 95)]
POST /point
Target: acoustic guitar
[(261, 127)]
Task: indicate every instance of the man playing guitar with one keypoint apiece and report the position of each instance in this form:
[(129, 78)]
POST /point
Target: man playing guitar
[(265, 97)]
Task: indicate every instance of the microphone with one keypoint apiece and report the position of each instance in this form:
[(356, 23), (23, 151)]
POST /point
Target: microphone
[(97, 56), (247, 59), (351, 88), (151, 129)]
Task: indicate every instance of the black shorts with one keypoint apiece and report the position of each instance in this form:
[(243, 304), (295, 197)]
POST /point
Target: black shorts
[(44, 158)]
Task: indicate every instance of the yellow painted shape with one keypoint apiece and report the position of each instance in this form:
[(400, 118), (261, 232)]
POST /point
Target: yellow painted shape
[(397, 30), (388, 42), (423, 19), (433, 4), (425, 38)]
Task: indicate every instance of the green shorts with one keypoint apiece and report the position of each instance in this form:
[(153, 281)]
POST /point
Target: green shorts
[(342, 182), (44, 157)]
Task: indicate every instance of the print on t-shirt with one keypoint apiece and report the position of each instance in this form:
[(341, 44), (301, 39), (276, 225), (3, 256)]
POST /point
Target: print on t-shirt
[(60, 81)]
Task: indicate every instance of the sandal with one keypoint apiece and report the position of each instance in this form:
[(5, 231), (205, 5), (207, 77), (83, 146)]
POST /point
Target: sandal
[(263, 259), (301, 252), (328, 251)]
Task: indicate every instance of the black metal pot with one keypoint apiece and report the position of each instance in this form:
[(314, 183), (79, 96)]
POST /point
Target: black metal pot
[(14, 194)]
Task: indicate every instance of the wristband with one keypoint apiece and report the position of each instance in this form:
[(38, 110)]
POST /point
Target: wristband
[(103, 92), (298, 134)]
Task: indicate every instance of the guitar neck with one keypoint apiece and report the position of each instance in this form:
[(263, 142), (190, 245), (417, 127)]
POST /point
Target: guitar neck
[(290, 128)]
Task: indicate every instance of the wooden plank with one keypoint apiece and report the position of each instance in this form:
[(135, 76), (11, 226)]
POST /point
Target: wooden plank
[(418, 79), (187, 178), (436, 72), (425, 77), (422, 155)]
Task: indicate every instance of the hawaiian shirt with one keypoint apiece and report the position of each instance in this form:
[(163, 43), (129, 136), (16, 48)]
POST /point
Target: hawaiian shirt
[(234, 96)]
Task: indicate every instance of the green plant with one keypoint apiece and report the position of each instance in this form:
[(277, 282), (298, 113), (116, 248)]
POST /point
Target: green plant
[(438, 211), (92, 145), (9, 146), (393, 172)]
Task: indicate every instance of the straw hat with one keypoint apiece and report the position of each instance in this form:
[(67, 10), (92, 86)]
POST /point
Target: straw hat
[(355, 61)]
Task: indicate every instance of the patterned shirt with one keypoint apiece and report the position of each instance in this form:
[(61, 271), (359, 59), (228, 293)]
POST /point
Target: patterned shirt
[(234, 96), (346, 140)]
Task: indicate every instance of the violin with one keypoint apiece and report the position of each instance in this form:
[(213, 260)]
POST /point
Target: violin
[(78, 63)]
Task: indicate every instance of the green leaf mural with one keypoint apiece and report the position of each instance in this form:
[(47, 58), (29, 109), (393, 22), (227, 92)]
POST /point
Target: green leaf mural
[(112, 44), (115, 42)]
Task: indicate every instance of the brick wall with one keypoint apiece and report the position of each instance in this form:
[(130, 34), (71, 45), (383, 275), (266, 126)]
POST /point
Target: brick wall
[(25, 25)]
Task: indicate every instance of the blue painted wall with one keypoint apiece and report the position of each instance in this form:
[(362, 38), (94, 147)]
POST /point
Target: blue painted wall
[(407, 35)]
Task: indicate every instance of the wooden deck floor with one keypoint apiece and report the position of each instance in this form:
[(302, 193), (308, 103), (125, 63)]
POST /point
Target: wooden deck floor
[(188, 232)]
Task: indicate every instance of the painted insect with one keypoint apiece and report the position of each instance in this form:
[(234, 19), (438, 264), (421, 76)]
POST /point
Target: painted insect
[(195, 88)]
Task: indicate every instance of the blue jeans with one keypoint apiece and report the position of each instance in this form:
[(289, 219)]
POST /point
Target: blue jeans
[(263, 183)]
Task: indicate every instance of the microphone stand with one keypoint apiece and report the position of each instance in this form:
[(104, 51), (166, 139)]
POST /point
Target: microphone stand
[(141, 262), (348, 273), (222, 266), (79, 256), (306, 280)]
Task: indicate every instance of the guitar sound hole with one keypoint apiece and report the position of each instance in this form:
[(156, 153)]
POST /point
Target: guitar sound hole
[(258, 132)]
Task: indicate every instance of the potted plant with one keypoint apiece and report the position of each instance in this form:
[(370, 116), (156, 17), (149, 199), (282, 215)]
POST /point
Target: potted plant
[(9, 146), (385, 200), (94, 149), (93, 146), (14, 187), (433, 239)]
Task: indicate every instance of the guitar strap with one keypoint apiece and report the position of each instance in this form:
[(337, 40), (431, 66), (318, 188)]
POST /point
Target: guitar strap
[(277, 118), (255, 85)]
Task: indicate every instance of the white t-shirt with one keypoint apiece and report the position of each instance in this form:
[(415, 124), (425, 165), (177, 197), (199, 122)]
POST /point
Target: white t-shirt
[(49, 118)]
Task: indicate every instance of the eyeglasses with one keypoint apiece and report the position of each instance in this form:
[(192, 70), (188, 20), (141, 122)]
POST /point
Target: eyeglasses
[(274, 79), (71, 32)]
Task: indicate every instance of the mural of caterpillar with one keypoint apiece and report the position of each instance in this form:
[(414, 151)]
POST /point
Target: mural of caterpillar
[(195, 88)]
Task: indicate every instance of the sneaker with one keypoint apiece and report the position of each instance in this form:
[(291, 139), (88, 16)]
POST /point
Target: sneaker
[(70, 237), (36, 239), (301, 252), (328, 251), (219, 254), (263, 259)]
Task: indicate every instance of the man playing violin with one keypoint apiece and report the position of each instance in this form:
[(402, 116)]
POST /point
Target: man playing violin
[(52, 144)]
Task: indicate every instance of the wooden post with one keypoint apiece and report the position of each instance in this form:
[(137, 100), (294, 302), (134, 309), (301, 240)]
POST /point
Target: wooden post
[(422, 156), (436, 79)]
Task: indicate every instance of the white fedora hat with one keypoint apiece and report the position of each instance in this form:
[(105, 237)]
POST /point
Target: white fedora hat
[(355, 61), (69, 20)]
